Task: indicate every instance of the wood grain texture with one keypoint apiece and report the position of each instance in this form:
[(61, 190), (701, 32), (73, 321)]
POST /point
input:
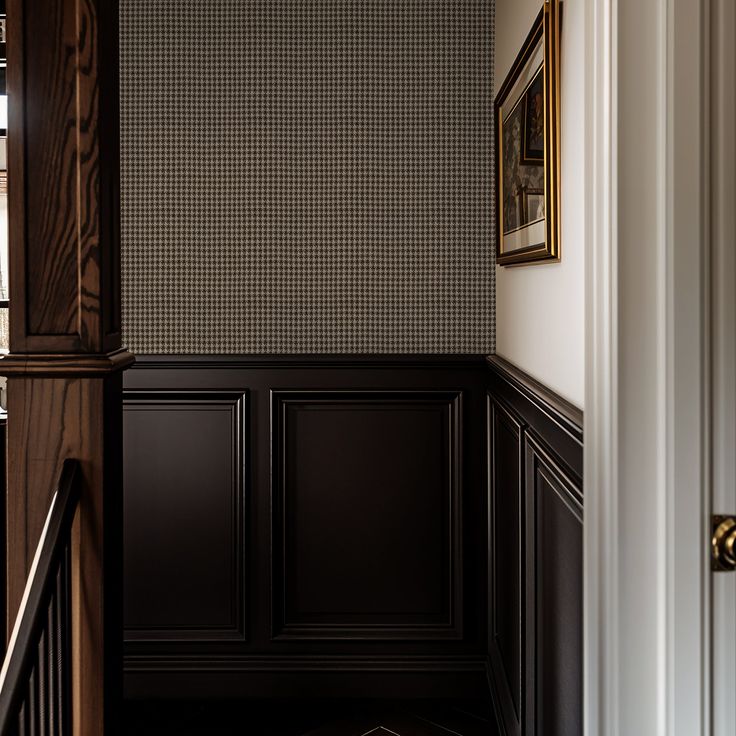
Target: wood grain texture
[(70, 364), (54, 419), (64, 385), (63, 176)]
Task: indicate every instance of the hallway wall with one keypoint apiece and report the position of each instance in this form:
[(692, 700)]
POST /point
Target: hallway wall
[(306, 526), (307, 177), (540, 309)]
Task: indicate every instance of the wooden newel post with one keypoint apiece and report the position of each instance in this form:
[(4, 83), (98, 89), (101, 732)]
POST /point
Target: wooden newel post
[(64, 368)]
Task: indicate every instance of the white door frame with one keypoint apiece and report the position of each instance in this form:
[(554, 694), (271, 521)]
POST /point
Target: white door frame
[(723, 347), (647, 508)]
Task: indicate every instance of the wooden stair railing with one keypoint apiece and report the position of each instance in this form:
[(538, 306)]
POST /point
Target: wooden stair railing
[(64, 369), (36, 677)]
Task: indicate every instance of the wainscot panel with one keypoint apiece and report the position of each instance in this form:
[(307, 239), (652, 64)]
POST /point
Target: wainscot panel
[(554, 538), (305, 525), (535, 447), (375, 475), (184, 501), (506, 631)]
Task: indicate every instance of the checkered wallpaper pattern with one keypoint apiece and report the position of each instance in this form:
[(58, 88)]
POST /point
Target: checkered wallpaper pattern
[(307, 176)]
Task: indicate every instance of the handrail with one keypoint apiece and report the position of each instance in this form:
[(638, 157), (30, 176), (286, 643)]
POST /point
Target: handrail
[(36, 666)]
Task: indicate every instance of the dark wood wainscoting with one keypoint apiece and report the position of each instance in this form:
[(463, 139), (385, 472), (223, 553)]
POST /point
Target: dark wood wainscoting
[(535, 536), (184, 504), (305, 526)]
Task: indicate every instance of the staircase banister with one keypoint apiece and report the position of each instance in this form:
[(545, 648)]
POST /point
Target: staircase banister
[(32, 616)]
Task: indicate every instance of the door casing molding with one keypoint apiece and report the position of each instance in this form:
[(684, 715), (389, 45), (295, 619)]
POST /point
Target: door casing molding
[(647, 659), (722, 349)]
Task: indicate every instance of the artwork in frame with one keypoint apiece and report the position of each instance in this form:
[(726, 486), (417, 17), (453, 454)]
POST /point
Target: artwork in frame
[(528, 149), (533, 127)]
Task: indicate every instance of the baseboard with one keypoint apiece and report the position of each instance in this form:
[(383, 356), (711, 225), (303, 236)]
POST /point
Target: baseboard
[(257, 676)]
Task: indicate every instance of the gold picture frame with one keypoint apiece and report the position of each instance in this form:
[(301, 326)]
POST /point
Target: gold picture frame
[(527, 112)]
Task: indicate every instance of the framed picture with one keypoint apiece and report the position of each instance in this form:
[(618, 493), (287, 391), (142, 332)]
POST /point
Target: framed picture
[(528, 148)]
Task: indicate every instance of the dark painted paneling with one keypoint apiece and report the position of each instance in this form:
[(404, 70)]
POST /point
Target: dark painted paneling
[(364, 540), (507, 560), (555, 593), (558, 422), (536, 461), (366, 515), (184, 505)]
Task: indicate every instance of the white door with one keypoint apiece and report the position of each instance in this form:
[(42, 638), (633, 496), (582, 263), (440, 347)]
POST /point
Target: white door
[(723, 364)]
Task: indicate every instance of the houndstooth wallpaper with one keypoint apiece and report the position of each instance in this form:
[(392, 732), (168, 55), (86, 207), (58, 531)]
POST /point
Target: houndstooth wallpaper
[(307, 176)]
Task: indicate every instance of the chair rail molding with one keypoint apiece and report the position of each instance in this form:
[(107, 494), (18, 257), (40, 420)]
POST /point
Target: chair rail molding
[(646, 634)]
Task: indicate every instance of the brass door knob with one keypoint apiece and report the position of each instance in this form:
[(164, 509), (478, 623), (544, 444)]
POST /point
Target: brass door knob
[(724, 543)]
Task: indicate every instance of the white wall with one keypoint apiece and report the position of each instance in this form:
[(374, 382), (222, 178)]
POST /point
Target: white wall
[(540, 321)]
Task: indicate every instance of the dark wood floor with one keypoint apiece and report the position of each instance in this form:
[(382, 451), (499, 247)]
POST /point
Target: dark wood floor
[(310, 718)]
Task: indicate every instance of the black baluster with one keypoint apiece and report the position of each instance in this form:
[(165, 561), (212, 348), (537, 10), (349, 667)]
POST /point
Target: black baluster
[(65, 647), (50, 663), (56, 661), (43, 674), (23, 719), (33, 703)]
